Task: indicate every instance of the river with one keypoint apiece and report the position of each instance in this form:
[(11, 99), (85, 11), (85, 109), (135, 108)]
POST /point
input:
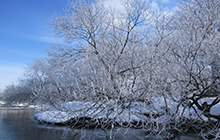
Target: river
[(19, 124)]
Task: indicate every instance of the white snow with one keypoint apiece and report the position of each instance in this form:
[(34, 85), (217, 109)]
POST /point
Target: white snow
[(89, 109), (2, 103), (52, 116), (215, 110), (115, 111)]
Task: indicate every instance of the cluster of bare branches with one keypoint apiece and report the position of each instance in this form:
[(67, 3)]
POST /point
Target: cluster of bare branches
[(135, 67)]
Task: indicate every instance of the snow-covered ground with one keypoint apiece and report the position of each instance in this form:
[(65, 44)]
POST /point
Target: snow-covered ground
[(136, 111), (2, 103), (78, 109), (215, 110)]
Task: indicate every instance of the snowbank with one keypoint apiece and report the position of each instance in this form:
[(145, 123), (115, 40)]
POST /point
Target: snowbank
[(126, 112), (78, 109), (2, 103), (52, 116)]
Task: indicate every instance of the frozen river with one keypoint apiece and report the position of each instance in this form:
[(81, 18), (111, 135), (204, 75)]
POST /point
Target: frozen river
[(19, 124)]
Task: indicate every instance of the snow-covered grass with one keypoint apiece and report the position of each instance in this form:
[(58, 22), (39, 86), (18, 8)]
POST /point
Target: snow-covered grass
[(78, 109), (53, 116), (2, 103), (126, 112), (215, 110), (151, 116)]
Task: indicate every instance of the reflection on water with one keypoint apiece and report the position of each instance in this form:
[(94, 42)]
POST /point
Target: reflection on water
[(16, 124), (19, 124)]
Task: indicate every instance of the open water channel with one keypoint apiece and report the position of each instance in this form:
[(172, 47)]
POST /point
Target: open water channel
[(19, 124)]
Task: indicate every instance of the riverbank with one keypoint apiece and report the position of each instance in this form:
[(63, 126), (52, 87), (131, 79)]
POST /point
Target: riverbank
[(19, 124), (153, 118)]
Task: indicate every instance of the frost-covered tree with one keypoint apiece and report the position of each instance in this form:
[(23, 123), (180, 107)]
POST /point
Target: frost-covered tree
[(114, 60), (133, 66), (195, 51), (14, 95), (117, 52)]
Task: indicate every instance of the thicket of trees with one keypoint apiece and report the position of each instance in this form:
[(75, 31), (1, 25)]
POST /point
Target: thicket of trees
[(135, 54), (13, 95)]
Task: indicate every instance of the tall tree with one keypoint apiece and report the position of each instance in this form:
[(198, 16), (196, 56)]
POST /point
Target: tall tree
[(134, 58)]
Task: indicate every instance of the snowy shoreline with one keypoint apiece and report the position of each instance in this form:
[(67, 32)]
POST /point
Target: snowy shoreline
[(118, 115)]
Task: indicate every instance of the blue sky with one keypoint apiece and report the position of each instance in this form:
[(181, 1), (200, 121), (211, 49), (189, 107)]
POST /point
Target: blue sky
[(25, 34)]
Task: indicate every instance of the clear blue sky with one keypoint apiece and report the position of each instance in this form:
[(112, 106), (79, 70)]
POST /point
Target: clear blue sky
[(26, 35)]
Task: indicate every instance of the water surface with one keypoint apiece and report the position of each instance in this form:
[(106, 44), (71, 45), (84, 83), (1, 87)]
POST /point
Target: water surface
[(19, 124)]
